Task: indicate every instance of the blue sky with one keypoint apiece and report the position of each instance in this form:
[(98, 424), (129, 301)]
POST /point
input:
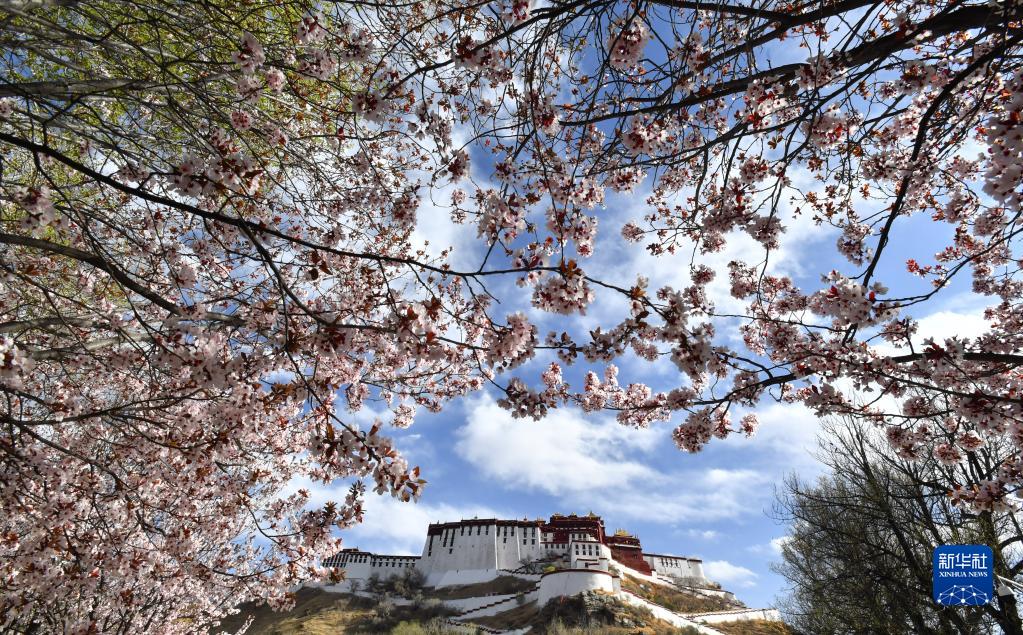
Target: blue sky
[(715, 505)]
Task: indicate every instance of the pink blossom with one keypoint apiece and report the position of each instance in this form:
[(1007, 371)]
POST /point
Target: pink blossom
[(310, 29), (563, 293), (241, 120), (15, 365), (515, 11), (318, 63), (513, 346), (749, 424), (275, 80), (947, 454), (250, 55), (625, 46)]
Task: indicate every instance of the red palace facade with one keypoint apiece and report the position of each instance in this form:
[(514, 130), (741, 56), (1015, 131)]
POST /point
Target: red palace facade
[(625, 548)]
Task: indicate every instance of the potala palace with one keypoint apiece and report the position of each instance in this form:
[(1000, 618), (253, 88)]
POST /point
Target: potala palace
[(470, 551), (564, 555)]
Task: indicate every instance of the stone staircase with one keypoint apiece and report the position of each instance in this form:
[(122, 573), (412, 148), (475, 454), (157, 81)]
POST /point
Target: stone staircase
[(535, 589), (471, 628)]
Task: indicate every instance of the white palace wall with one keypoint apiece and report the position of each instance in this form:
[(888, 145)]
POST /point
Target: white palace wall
[(359, 565), (589, 554), (675, 566), (478, 547)]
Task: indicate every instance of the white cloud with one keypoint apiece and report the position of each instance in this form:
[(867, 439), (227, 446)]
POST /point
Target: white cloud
[(592, 462), (565, 452), (703, 534), (729, 574), (618, 262), (778, 543), (698, 496), (786, 430), (944, 324), (772, 548), (393, 527), (436, 232)]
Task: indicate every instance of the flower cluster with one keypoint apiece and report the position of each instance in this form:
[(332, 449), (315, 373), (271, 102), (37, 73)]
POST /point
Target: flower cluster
[(513, 346), (515, 11), (250, 55), (38, 208), (816, 73), (566, 292), (699, 427), (501, 216), (370, 106), (626, 44), (310, 29), (487, 60), (15, 365), (1004, 135), (644, 137), (847, 302)]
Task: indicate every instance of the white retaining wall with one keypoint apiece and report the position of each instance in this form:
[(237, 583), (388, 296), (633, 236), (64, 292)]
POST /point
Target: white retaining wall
[(568, 582), (720, 617), (719, 593), (456, 578), (473, 576)]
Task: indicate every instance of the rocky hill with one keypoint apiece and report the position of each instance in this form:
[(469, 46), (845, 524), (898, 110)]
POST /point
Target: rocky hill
[(405, 607)]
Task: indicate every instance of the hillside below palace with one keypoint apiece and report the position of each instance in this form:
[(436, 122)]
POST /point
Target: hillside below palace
[(476, 550)]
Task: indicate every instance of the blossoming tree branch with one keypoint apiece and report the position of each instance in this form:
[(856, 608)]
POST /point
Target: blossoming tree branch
[(209, 261)]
